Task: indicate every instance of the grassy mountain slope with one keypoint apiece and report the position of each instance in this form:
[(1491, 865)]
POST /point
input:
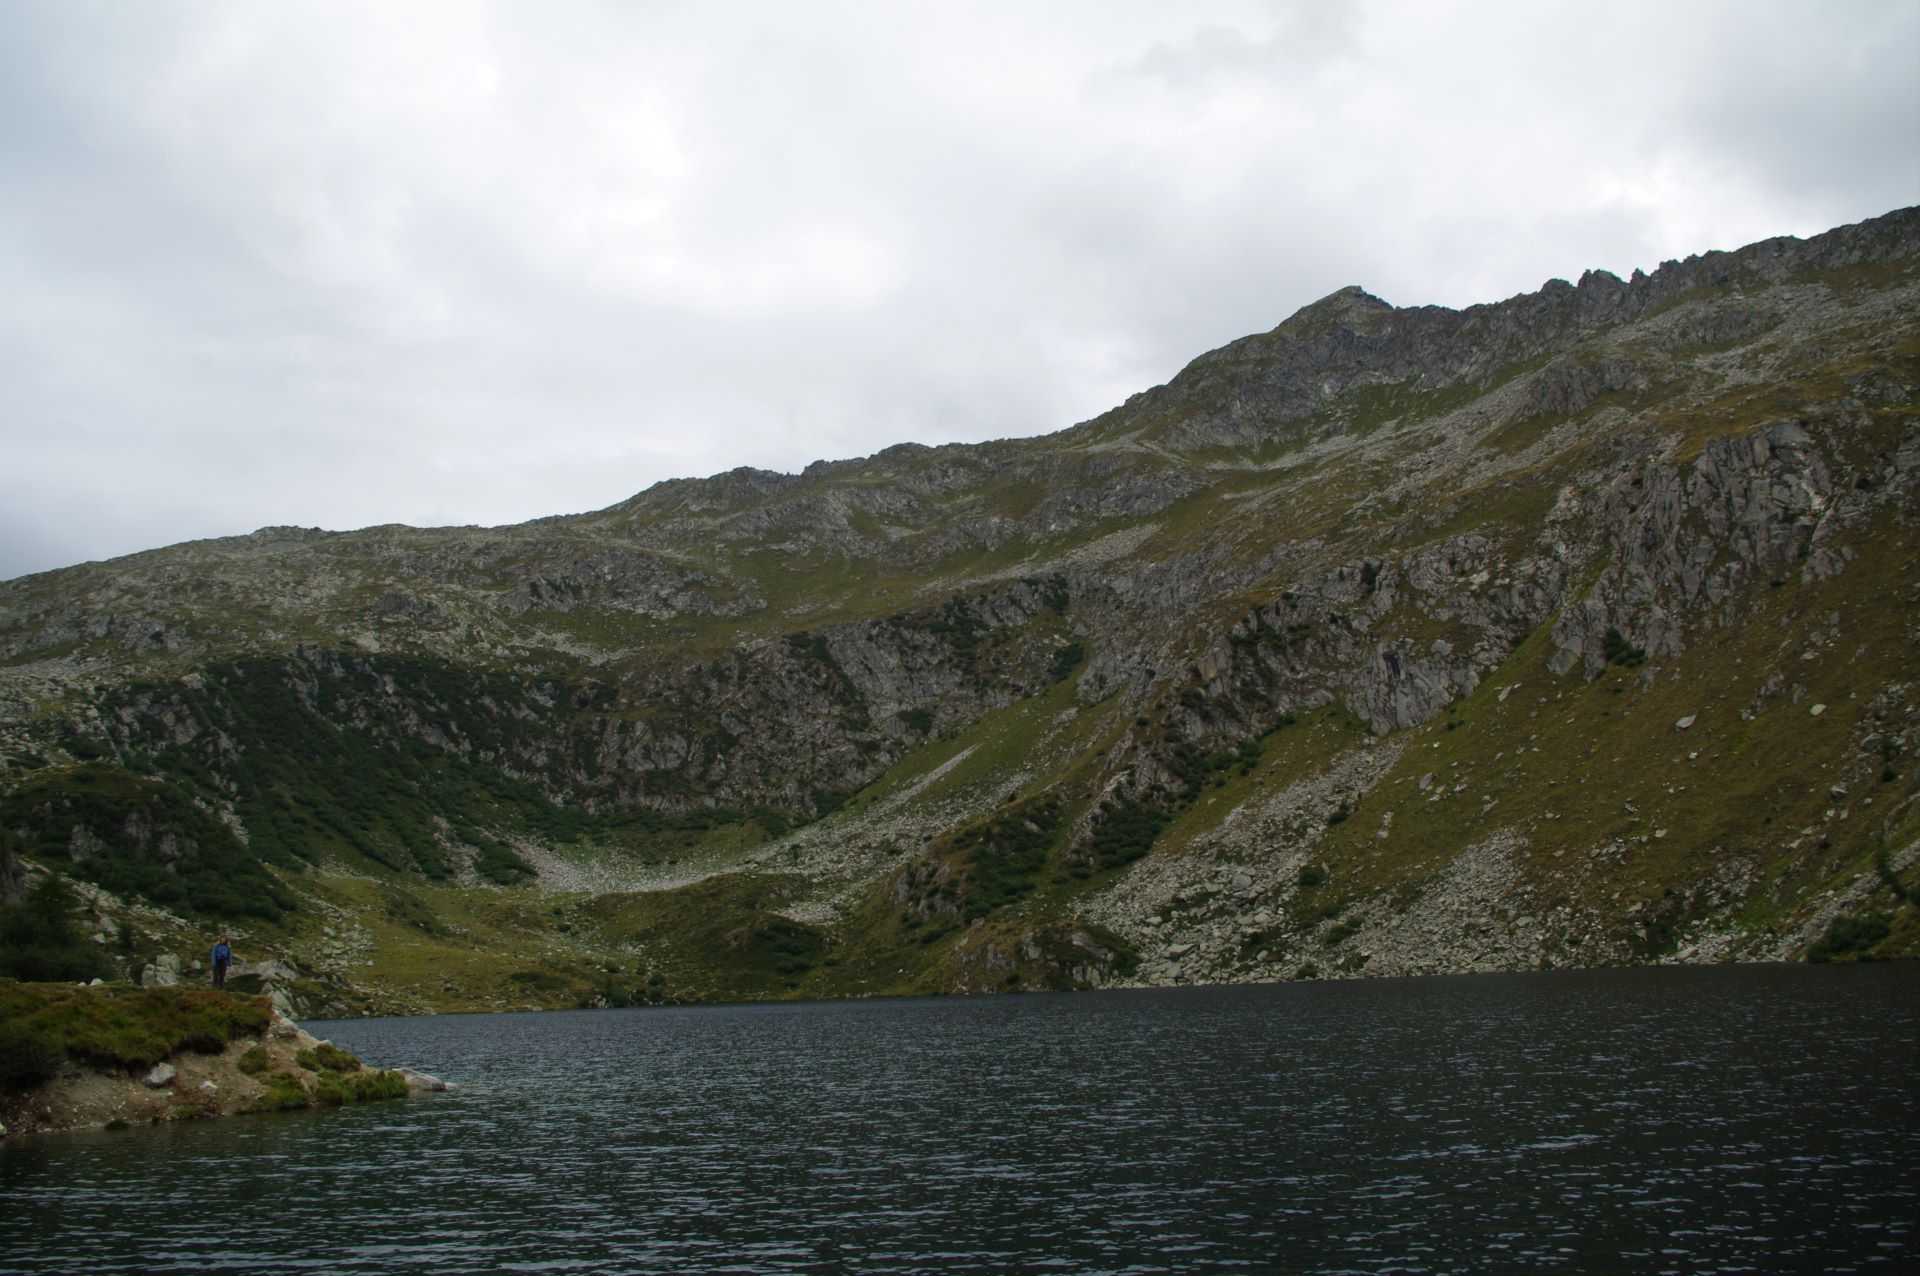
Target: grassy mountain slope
[(1573, 629)]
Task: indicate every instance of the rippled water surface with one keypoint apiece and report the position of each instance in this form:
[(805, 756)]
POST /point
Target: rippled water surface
[(1749, 1119)]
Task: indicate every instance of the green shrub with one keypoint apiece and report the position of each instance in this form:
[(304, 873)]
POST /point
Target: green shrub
[(1312, 875), (1618, 651), (1066, 660), (1001, 857), (373, 1086), (1126, 830), (410, 910), (1850, 939), (254, 1061), (770, 940), (284, 1094), (327, 1057), (40, 941), (27, 1057), (501, 864)]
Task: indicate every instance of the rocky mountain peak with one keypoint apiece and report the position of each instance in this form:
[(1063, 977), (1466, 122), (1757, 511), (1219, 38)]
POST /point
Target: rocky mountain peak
[(1352, 306)]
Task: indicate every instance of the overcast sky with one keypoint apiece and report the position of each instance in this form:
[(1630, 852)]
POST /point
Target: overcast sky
[(340, 264)]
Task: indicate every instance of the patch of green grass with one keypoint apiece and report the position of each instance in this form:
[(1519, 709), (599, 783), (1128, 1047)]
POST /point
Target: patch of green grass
[(718, 939), (121, 1026), (368, 1086), (327, 1057), (284, 1093)]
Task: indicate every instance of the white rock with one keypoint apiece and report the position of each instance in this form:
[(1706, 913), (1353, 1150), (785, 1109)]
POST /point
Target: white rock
[(272, 971), (1817, 710), (208, 1087), (423, 1083), (1683, 723), (162, 1075)]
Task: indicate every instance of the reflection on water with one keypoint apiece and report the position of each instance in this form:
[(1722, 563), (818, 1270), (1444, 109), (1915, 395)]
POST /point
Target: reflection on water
[(1751, 1119)]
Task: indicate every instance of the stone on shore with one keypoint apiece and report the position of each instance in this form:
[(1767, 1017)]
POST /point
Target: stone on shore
[(423, 1083)]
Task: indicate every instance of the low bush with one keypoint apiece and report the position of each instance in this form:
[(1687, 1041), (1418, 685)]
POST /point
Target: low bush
[(1126, 830), (284, 1094), (1850, 939), (327, 1057), (27, 1057), (1617, 650), (40, 940)]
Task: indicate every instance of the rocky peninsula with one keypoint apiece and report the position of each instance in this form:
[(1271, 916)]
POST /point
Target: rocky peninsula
[(115, 1055)]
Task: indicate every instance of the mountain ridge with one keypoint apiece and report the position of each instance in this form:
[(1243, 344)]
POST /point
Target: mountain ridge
[(1120, 638)]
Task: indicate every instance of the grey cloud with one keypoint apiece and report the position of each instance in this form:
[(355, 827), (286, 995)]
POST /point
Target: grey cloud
[(343, 264)]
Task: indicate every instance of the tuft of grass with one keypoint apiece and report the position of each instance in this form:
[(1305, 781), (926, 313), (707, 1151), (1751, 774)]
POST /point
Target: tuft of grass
[(284, 1093), (327, 1057), (335, 1089)]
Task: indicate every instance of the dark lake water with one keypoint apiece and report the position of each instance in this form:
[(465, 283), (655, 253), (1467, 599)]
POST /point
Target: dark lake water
[(1731, 1119)]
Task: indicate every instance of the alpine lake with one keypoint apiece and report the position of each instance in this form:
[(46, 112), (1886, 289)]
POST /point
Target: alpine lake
[(1729, 1119)]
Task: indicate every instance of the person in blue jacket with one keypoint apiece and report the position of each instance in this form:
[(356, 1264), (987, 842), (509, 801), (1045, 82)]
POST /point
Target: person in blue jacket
[(222, 958)]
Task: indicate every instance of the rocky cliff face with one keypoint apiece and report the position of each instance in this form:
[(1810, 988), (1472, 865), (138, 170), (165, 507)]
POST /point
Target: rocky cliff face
[(1573, 628)]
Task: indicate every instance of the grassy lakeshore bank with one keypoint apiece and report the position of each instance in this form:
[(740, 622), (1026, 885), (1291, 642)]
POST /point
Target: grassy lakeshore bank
[(115, 1055)]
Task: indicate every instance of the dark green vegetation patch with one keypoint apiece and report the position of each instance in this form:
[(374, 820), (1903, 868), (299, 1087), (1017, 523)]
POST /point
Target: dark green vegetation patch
[(118, 1026), (142, 837), (39, 939)]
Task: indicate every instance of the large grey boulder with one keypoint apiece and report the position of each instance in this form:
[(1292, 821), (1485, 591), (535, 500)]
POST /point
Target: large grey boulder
[(423, 1083), (162, 972)]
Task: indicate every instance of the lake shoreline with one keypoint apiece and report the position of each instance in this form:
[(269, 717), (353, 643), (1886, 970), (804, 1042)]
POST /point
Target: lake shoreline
[(117, 1056)]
